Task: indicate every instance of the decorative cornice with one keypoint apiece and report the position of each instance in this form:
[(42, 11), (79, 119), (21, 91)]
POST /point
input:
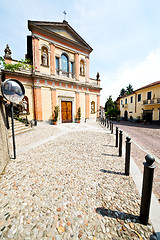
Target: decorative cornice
[(36, 86), (60, 45), (35, 37), (44, 27), (52, 78), (51, 43)]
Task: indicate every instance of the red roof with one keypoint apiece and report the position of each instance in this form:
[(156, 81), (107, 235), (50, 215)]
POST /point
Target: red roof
[(149, 85)]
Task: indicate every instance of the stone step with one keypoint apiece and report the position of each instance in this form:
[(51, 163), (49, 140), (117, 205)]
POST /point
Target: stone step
[(19, 131), (19, 128)]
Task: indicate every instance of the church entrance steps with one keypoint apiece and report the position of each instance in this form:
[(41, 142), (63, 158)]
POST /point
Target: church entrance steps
[(19, 128)]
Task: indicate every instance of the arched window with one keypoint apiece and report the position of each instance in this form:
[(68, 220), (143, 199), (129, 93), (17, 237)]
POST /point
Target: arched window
[(64, 63), (44, 56), (92, 107), (82, 68)]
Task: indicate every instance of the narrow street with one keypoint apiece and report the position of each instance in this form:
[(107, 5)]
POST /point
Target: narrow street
[(145, 140)]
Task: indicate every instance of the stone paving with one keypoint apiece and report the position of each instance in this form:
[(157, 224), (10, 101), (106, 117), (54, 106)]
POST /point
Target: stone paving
[(148, 138), (71, 185)]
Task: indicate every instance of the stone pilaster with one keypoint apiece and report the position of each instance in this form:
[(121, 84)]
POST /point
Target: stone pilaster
[(52, 58), (77, 66), (77, 102), (36, 54), (98, 105), (53, 99), (87, 69), (87, 105), (37, 103)]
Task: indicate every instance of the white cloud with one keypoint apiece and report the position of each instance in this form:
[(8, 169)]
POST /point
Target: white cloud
[(140, 74)]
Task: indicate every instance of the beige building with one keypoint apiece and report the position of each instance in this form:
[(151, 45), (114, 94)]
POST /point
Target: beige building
[(60, 76), (143, 103)]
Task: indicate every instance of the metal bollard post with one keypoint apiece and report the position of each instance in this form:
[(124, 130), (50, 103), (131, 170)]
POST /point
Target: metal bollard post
[(116, 136), (35, 122), (111, 127), (149, 167), (127, 157), (105, 122), (120, 143)]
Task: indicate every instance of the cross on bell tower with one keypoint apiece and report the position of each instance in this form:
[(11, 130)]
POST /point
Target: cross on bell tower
[(64, 15)]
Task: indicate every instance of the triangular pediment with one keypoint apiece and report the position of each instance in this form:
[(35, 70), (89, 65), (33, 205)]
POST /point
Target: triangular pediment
[(62, 30)]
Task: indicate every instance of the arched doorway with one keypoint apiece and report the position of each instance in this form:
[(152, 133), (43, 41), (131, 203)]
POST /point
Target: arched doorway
[(125, 115)]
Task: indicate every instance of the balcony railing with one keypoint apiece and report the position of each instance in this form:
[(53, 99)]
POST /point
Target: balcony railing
[(94, 82), (57, 71), (151, 101), (66, 74)]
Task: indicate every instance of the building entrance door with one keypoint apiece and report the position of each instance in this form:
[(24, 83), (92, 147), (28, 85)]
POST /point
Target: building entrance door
[(66, 111), (126, 115), (148, 115)]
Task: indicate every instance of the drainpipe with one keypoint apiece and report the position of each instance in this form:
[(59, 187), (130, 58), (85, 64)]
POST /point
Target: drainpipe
[(135, 102)]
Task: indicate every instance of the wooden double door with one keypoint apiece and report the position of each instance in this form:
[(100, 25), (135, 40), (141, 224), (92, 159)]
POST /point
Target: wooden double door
[(66, 111)]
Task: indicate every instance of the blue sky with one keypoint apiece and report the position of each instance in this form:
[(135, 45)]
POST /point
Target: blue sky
[(124, 35)]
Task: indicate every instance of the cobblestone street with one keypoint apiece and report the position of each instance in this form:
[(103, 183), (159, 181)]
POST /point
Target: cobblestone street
[(145, 139), (68, 183)]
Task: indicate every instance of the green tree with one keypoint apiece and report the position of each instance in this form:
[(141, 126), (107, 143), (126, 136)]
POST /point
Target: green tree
[(129, 89), (122, 92), (111, 109), (109, 104)]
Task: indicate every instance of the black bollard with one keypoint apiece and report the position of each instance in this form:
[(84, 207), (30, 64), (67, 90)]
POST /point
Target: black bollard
[(120, 143), (111, 127), (105, 122), (35, 122), (127, 157), (149, 167), (116, 136)]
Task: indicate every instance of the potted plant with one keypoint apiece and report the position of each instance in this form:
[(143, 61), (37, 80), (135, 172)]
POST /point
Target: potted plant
[(79, 114), (56, 113)]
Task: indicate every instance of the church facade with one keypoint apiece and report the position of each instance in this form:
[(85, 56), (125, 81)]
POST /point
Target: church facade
[(60, 76)]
